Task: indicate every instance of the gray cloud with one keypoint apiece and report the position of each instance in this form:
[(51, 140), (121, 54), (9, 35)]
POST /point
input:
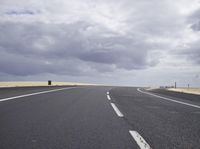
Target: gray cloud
[(190, 50), (21, 12), (40, 48), (92, 39), (190, 53), (196, 26), (194, 19)]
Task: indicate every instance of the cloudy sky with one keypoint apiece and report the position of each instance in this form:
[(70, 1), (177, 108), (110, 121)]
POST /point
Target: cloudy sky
[(119, 42)]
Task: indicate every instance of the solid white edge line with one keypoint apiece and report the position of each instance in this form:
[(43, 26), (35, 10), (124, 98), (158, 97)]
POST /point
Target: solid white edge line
[(116, 110), (37, 93), (108, 97), (139, 140), (169, 99)]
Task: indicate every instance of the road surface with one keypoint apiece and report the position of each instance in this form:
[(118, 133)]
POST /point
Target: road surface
[(97, 118)]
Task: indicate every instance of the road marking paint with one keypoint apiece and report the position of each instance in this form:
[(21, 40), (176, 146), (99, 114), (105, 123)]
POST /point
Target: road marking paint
[(139, 140), (108, 93), (108, 97), (169, 99), (116, 110), (37, 93)]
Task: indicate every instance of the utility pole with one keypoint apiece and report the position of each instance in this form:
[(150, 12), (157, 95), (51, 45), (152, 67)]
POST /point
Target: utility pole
[(175, 85), (188, 85)]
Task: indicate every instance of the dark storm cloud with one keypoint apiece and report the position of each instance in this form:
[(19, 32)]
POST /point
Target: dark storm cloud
[(194, 19), (196, 26), (66, 49), (39, 39), (192, 50), (99, 57), (191, 53), (21, 65), (97, 40), (21, 12)]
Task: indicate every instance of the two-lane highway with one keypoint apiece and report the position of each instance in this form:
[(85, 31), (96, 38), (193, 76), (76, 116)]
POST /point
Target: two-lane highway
[(95, 117), (73, 118)]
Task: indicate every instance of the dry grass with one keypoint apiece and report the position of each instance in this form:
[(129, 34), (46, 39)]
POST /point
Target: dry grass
[(21, 84), (186, 90)]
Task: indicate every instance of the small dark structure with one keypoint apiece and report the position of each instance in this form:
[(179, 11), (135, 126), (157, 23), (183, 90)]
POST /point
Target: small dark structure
[(49, 82)]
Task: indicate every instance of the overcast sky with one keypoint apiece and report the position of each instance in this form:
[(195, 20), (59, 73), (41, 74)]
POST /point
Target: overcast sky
[(119, 42)]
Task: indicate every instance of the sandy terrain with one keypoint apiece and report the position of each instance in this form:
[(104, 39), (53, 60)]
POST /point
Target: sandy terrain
[(17, 84), (186, 90), (152, 88)]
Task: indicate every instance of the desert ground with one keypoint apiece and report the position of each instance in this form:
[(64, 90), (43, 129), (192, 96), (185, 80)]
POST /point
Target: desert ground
[(186, 90), (29, 83)]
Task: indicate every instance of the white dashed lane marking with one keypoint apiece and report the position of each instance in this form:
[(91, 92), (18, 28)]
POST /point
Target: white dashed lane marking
[(116, 110), (139, 140), (136, 136), (108, 96)]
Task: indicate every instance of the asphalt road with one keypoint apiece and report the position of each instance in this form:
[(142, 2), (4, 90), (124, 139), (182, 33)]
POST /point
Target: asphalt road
[(97, 118)]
